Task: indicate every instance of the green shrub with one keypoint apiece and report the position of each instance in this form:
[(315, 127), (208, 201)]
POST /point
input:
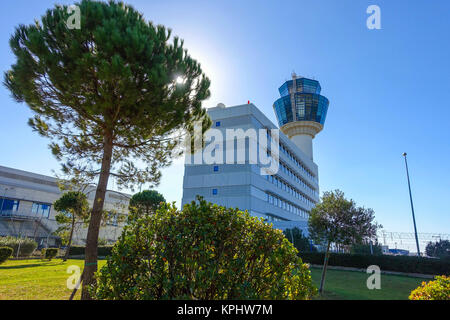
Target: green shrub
[(385, 262), (76, 250), (49, 253), (439, 289), (364, 248), (102, 242), (202, 252), (300, 242), (27, 246), (5, 253), (102, 251), (439, 249)]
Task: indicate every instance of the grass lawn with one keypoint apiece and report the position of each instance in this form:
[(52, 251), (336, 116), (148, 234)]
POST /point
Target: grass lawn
[(351, 285), (46, 280), (37, 279)]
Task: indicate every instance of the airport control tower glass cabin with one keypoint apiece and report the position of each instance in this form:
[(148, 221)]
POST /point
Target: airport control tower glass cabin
[(301, 111)]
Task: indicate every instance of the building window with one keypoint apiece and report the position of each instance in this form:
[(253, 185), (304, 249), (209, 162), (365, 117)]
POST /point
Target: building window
[(214, 192), (217, 123), (66, 213), (113, 219), (8, 206), (270, 217), (42, 209), (286, 206), (216, 168)]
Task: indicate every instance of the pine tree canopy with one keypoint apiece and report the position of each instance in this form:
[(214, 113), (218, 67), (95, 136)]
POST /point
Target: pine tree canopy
[(108, 95), (111, 83)]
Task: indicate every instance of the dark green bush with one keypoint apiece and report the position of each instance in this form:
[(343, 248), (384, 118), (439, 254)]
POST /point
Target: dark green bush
[(5, 253), (300, 242), (204, 252), (103, 251), (364, 248), (49, 253), (27, 246), (385, 262), (439, 249)]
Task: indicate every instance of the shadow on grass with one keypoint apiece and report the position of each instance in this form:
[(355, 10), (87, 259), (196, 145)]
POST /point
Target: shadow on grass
[(32, 265), (328, 295)]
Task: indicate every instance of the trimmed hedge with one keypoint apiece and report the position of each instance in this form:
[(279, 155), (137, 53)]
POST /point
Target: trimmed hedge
[(5, 253), (49, 253), (404, 264), (27, 246), (103, 251)]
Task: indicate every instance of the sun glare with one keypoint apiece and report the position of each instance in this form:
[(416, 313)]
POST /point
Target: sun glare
[(180, 80)]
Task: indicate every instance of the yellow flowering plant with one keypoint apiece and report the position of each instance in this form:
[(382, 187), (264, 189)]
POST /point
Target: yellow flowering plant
[(439, 289)]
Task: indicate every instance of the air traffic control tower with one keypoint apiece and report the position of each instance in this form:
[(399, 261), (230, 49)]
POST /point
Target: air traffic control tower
[(301, 111)]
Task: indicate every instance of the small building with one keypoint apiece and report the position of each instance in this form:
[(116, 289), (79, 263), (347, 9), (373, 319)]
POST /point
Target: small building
[(399, 252), (26, 208)]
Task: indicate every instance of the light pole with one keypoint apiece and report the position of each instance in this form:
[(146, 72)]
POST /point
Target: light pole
[(412, 206)]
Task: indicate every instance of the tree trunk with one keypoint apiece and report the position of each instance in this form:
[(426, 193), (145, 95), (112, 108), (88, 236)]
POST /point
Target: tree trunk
[(324, 270), (66, 256), (91, 251)]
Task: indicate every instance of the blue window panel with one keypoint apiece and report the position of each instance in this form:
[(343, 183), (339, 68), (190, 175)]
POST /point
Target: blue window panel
[(283, 110), (35, 208), (41, 209), (214, 192), (217, 123), (284, 89), (45, 210), (113, 220), (8, 205), (311, 107), (309, 104), (303, 85), (66, 213), (216, 168)]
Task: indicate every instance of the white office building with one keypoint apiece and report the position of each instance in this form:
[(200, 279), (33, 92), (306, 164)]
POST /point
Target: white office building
[(284, 197), (26, 208)]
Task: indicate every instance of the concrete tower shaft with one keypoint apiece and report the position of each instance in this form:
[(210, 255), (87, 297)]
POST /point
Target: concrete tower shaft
[(302, 133)]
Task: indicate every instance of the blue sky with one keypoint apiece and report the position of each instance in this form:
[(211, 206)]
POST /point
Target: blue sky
[(388, 90)]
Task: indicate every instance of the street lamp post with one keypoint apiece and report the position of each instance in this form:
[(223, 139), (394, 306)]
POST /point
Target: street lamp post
[(412, 206)]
